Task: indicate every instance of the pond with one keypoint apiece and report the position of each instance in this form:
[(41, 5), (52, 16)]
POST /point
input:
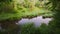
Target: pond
[(36, 20)]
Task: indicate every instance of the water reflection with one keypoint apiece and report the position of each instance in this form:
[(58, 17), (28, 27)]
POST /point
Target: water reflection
[(37, 21)]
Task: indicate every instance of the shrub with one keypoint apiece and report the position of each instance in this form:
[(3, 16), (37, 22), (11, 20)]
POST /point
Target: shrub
[(28, 29)]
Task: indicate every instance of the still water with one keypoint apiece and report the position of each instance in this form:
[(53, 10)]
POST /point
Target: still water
[(36, 20)]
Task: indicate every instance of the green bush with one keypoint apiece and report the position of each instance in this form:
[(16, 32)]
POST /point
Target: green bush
[(55, 24), (27, 29)]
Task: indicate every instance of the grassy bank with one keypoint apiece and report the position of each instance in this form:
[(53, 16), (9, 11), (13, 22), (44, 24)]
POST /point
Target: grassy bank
[(24, 13)]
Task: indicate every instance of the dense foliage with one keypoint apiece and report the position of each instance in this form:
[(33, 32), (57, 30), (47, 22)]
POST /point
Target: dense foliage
[(11, 11), (55, 24)]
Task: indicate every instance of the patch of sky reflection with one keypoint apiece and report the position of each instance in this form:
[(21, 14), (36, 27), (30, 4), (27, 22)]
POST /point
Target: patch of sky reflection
[(37, 21)]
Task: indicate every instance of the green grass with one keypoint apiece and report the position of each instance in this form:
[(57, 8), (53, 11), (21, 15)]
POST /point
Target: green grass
[(24, 13)]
